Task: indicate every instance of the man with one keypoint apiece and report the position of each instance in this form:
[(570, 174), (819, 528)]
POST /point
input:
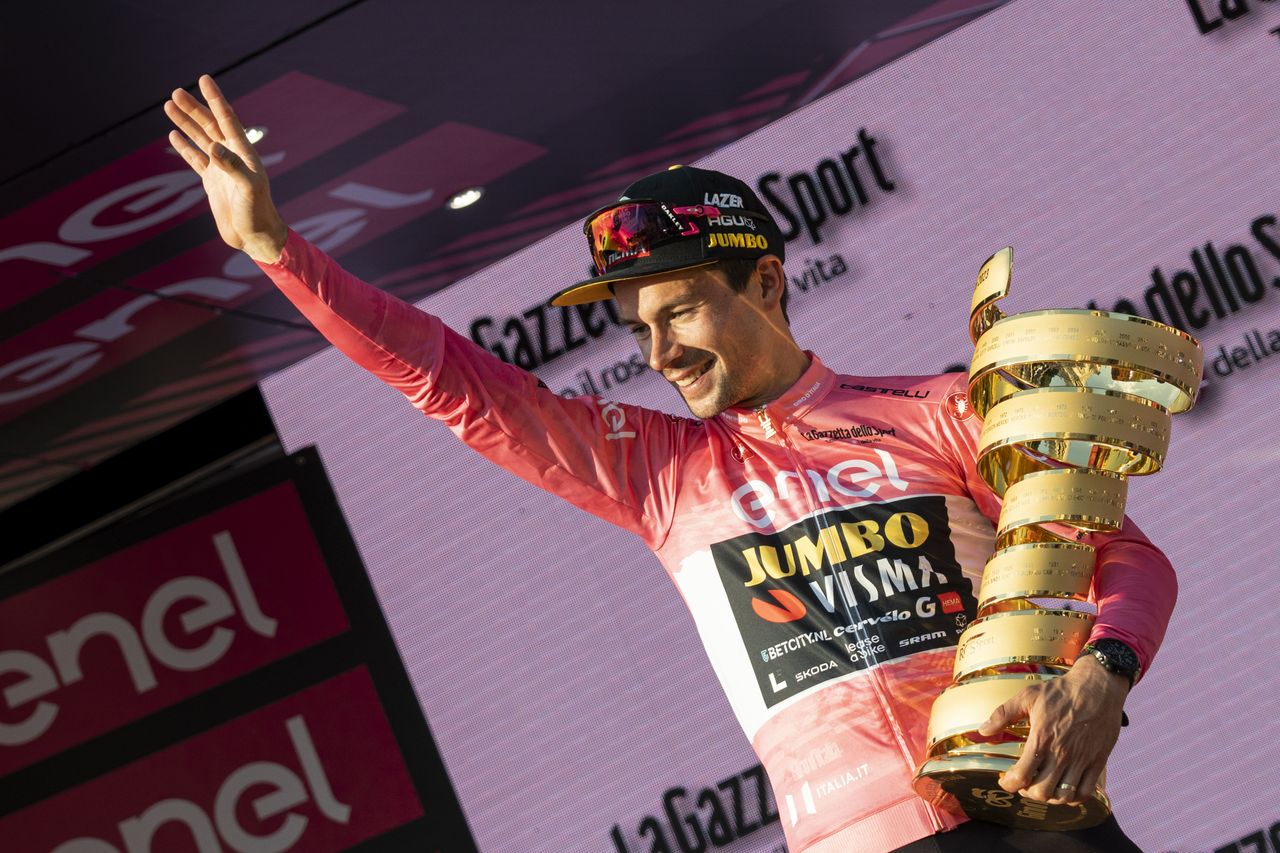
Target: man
[(825, 530)]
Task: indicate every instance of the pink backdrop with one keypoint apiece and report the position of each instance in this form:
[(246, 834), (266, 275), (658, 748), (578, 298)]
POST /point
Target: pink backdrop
[(561, 675)]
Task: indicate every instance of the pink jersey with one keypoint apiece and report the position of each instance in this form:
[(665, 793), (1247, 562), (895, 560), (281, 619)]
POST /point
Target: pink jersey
[(828, 545)]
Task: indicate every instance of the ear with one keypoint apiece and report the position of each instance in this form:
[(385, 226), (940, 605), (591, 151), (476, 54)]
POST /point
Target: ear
[(773, 281)]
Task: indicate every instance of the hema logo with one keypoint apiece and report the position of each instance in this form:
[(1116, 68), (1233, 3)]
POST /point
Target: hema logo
[(855, 478), (141, 646)]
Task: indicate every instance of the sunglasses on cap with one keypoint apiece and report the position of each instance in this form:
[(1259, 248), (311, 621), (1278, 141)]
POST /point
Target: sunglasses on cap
[(624, 231)]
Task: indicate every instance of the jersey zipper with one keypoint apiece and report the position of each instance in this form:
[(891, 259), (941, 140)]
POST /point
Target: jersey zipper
[(766, 423), (780, 436)]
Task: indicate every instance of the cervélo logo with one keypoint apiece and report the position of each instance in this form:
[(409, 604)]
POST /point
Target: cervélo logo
[(160, 621)]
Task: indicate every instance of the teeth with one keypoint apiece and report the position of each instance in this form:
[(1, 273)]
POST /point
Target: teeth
[(692, 378)]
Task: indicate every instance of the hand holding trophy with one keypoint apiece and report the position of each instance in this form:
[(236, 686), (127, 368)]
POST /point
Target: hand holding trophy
[(1072, 402)]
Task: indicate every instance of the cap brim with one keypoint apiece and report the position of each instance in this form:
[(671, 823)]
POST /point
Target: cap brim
[(596, 289)]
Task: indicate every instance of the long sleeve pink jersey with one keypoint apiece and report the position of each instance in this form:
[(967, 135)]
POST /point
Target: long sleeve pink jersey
[(828, 545)]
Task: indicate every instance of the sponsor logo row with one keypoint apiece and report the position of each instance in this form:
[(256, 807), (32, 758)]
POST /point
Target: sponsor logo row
[(843, 591)]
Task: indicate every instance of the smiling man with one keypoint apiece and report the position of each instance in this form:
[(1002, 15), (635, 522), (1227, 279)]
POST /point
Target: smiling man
[(826, 530), (697, 274)]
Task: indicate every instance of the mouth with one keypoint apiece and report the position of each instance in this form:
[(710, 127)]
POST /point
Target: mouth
[(692, 379)]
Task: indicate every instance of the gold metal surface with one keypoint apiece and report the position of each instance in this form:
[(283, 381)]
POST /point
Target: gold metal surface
[(962, 708), (1044, 637), (1035, 570), (970, 785), (993, 285), (961, 745), (1085, 349), (1081, 497), (1071, 427), (1072, 401)]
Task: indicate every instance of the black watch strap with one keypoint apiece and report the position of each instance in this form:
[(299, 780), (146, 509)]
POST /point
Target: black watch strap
[(1115, 656)]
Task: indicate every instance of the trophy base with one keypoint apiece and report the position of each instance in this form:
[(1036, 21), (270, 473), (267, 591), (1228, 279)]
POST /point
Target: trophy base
[(969, 784)]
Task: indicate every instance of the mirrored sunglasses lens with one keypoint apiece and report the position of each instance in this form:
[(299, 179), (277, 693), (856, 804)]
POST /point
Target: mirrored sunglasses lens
[(626, 232)]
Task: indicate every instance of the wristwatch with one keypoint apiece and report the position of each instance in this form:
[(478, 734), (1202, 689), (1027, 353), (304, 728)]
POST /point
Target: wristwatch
[(1116, 657)]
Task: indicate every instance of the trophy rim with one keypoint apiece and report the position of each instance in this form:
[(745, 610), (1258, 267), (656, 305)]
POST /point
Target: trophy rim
[(1052, 611), (1022, 595), (928, 785), (984, 665), (1152, 460), (987, 372), (1096, 312)]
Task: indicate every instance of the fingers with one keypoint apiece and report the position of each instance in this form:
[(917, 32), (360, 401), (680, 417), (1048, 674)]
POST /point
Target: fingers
[(208, 129), (1044, 787), (1088, 783), (187, 125), (228, 123), (997, 721), (1007, 714), (227, 160), (193, 116), (1019, 776), (1066, 789), (195, 158)]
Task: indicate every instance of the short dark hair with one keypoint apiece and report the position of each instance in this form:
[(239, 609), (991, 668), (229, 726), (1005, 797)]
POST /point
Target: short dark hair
[(738, 271)]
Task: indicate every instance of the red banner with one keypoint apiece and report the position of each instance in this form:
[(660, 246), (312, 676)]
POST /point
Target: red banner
[(115, 326), (317, 771), (153, 624)]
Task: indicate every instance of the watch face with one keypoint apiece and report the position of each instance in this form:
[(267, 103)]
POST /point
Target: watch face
[(1119, 657)]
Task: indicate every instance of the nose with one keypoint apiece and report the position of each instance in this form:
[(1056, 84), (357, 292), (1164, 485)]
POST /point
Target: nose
[(664, 349)]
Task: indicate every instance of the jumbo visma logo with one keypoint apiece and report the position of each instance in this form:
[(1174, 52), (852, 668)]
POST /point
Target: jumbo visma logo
[(843, 591), (833, 546)]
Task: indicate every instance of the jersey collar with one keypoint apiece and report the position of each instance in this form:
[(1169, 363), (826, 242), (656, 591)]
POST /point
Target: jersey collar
[(809, 390)]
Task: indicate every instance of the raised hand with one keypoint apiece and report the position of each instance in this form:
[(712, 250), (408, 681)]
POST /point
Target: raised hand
[(214, 144)]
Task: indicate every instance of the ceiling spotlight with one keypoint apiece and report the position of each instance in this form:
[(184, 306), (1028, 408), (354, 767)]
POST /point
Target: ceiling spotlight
[(255, 134), (466, 198)]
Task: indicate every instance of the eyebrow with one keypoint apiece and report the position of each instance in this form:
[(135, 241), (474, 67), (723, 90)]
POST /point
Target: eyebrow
[(675, 304)]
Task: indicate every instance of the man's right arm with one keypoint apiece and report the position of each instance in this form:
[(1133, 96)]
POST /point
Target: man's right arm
[(615, 461), (610, 459)]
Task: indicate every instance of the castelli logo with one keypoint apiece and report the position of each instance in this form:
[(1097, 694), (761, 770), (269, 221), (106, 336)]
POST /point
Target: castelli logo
[(958, 405)]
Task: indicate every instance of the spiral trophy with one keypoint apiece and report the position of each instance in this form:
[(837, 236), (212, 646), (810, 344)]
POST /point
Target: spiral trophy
[(1072, 402)]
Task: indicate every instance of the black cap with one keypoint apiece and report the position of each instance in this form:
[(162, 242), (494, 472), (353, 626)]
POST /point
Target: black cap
[(746, 229)]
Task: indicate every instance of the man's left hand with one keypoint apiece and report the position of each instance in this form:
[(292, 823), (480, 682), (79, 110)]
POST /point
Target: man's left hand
[(1075, 721)]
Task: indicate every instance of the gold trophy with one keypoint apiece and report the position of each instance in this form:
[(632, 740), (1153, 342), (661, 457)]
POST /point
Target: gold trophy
[(1072, 402)]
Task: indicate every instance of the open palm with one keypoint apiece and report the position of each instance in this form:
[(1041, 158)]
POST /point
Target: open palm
[(214, 144)]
